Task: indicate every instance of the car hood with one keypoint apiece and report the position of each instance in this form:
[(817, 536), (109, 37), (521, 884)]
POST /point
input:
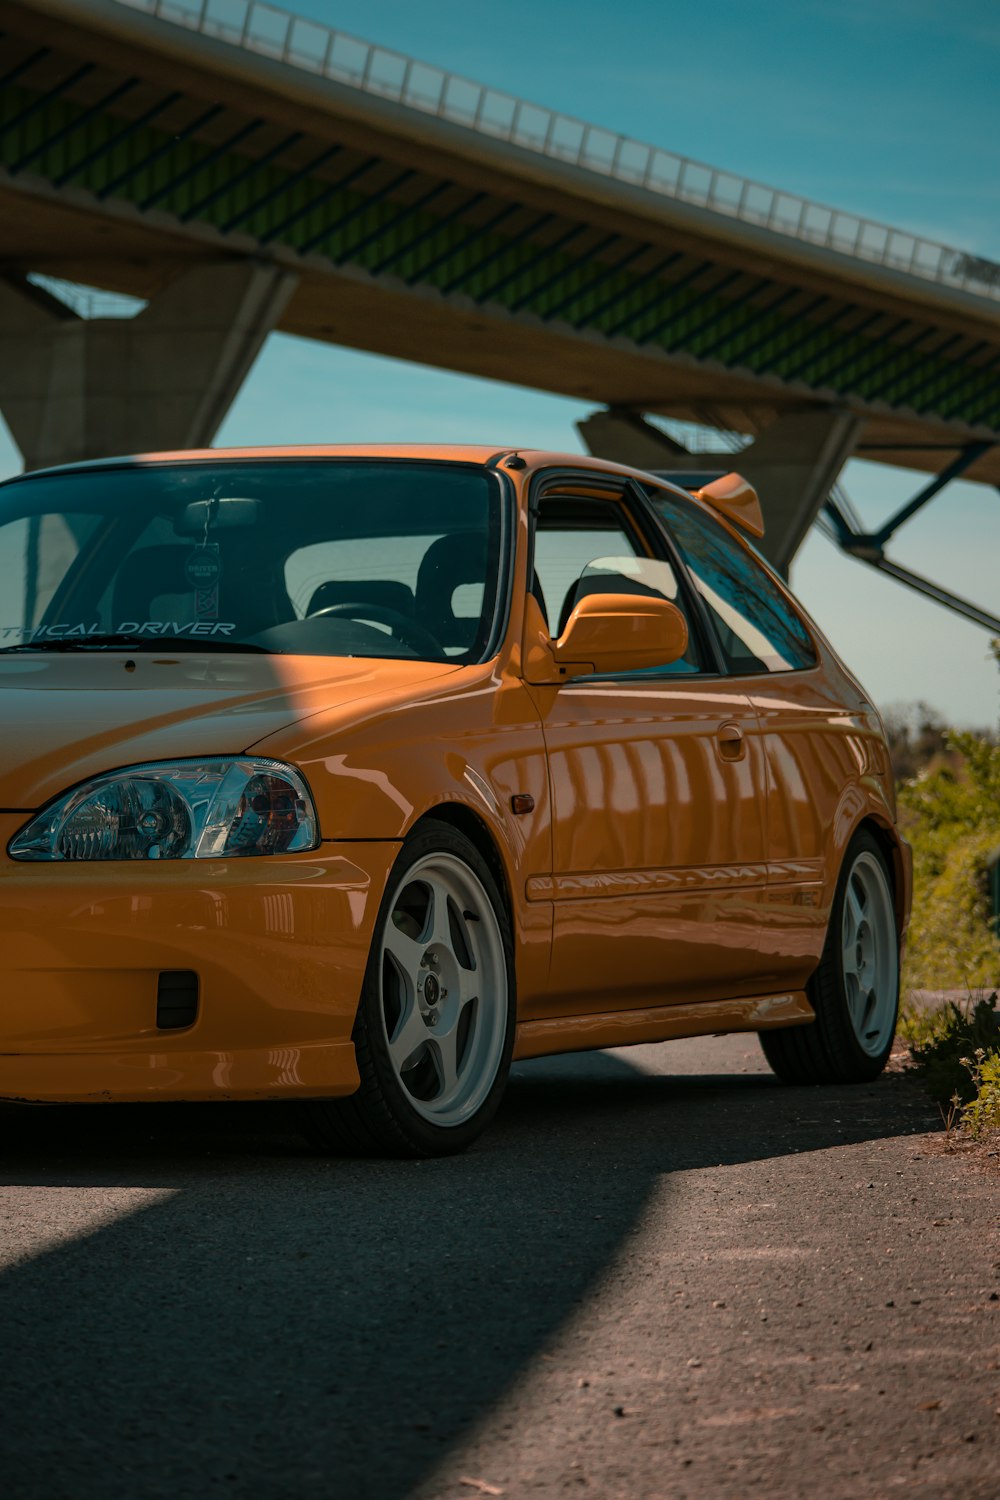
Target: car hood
[(64, 718)]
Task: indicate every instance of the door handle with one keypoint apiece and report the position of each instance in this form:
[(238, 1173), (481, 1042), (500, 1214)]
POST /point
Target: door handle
[(729, 738)]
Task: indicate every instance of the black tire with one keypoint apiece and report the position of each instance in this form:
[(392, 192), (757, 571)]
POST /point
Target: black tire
[(382, 1118), (829, 1050)]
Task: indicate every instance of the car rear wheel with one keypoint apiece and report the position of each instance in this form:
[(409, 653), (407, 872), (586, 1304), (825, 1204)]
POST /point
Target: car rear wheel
[(435, 1027), (855, 989)]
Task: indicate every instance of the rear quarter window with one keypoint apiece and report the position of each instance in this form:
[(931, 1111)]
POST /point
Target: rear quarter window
[(756, 625)]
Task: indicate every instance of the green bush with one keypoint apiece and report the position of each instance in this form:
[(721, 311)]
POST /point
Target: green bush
[(982, 1113), (951, 816), (950, 812), (945, 1043)]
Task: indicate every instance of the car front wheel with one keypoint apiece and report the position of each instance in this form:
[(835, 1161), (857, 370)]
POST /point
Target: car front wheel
[(435, 1027), (855, 989)]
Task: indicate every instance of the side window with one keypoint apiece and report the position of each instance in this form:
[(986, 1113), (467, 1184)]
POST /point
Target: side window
[(757, 627), (585, 546)]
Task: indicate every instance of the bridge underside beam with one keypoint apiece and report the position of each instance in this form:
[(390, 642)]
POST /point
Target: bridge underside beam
[(74, 388), (130, 144), (794, 464)]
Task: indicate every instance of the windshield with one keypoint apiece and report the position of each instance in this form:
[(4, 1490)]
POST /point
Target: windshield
[(307, 557)]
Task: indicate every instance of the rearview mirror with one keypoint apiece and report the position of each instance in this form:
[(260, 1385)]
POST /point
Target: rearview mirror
[(216, 515), (611, 633)]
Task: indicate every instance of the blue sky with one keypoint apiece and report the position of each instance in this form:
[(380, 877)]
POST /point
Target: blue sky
[(888, 108), (884, 107)]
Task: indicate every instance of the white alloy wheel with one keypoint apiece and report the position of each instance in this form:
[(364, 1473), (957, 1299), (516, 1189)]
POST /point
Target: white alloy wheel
[(443, 989), (870, 954), (434, 1031), (854, 989)]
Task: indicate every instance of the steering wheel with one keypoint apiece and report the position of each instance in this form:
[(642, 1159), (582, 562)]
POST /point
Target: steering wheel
[(406, 629)]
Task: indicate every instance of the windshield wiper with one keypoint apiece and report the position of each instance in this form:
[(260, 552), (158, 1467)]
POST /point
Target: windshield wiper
[(202, 643)]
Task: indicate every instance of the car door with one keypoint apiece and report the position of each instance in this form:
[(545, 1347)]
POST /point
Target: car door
[(813, 746), (656, 784)]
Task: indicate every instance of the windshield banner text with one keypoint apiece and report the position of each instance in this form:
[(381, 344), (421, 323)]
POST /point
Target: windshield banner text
[(152, 628)]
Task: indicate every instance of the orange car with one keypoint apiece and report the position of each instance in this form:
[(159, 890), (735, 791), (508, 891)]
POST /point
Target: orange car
[(347, 775)]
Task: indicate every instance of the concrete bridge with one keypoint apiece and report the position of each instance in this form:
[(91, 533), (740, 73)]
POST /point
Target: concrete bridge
[(241, 169)]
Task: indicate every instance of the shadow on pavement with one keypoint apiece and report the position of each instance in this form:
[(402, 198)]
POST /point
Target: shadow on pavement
[(278, 1325)]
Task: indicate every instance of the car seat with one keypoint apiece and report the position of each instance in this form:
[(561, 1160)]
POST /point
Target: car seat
[(448, 564)]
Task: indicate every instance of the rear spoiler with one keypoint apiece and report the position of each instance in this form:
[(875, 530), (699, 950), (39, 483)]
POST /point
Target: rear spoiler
[(730, 494)]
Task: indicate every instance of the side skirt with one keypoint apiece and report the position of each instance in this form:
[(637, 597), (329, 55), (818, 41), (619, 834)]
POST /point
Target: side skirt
[(662, 1023)]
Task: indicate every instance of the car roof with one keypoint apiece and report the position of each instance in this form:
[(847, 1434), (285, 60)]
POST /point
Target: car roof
[(485, 455), (685, 483)]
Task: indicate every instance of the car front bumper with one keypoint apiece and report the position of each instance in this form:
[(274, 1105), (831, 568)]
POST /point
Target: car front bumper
[(279, 946)]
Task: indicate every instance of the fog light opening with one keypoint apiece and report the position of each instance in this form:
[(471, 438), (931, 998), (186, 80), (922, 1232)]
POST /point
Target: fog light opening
[(176, 999)]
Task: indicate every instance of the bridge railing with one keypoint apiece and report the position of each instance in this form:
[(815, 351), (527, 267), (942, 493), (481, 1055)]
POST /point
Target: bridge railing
[(276, 33)]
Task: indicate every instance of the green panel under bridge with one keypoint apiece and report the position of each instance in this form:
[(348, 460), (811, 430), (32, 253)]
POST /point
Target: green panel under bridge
[(390, 220)]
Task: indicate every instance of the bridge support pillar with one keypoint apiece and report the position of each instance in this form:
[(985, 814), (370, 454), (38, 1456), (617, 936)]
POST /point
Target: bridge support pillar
[(73, 388), (793, 464), (624, 437)]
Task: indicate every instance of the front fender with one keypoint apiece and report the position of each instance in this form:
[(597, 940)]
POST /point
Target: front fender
[(473, 742)]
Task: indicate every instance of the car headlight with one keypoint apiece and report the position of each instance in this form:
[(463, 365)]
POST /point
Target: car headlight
[(204, 809)]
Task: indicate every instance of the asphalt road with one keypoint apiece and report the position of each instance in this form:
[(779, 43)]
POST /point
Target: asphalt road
[(660, 1274)]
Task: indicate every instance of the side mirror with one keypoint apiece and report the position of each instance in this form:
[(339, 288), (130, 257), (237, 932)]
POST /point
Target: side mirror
[(605, 633)]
